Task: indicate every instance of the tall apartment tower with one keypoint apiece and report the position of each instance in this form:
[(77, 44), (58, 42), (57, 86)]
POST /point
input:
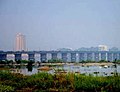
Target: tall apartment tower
[(20, 43)]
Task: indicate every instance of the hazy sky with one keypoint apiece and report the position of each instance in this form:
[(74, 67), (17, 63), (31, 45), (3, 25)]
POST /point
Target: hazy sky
[(52, 24)]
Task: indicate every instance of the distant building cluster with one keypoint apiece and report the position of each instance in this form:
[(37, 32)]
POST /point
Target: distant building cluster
[(20, 45), (99, 48)]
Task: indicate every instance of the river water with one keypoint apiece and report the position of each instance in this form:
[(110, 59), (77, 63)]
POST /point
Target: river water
[(87, 70)]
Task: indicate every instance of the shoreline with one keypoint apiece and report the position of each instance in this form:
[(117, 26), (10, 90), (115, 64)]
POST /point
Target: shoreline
[(85, 64), (68, 63)]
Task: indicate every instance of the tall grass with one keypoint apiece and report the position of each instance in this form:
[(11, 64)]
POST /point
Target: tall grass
[(58, 82)]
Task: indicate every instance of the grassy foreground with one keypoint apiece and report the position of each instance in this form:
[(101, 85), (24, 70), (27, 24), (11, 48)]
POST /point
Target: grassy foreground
[(44, 82)]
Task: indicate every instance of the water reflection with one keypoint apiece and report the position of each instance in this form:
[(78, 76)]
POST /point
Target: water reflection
[(30, 68), (88, 70)]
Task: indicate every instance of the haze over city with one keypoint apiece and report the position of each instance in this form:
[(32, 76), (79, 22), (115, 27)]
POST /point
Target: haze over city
[(53, 24)]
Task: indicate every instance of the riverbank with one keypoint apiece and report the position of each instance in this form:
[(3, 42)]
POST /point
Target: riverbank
[(61, 64), (68, 63), (85, 64), (97, 64)]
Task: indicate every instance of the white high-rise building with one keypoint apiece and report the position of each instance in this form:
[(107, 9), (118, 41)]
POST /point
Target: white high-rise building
[(103, 48), (20, 43)]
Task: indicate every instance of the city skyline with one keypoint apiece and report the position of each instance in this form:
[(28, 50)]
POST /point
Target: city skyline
[(20, 45), (51, 24)]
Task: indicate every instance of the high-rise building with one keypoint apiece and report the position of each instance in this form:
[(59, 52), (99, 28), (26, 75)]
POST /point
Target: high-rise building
[(20, 44), (103, 48)]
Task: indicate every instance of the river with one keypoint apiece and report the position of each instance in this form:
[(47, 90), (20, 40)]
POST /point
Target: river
[(96, 70)]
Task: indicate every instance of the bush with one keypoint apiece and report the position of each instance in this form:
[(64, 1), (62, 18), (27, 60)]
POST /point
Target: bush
[(24, 61), (102, 61), (58, 82), (4, 88), (55, 61)]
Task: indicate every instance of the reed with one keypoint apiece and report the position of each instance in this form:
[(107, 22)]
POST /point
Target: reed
[(69, 82)]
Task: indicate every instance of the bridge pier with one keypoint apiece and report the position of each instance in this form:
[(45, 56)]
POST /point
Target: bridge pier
[(18, 56), (11, 57), (3, 56), (64, 57), (24, 56), (96, 56), (110, 56), (43, 57), (81, 57), (54, 56), (89, 56), (31, 57), (73, 57)]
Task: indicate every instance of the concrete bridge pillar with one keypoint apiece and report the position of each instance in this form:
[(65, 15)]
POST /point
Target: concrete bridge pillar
[(99, 56), (89, 56), (11, 57), (64, 57), (18, 56), (3, 56), (82, 57), (24, 56), (37, 57), (110, 56), (68, 57), (93, 56), (77, 57), (59, 55), (106, 56), (118, 56), (96, 56), (49, 56), (73, 57), (103, 56), (54, 55), (43, 57), (31, 56), (115, 56)]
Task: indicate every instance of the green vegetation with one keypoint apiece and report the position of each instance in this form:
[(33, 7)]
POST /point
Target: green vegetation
[(116, 61), (16, 62), (55, 61), (4, 88), (101, 61), (6, 62), (44, 82), (90, 61), (87, 61), (23, 61)]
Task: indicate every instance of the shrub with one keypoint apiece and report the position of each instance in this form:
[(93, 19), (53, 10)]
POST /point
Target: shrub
[(4, 88), (69, 82)]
